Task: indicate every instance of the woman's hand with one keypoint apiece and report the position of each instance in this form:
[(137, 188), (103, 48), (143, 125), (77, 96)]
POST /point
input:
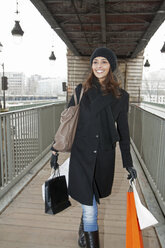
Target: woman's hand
[(53, 160), (132, 173)]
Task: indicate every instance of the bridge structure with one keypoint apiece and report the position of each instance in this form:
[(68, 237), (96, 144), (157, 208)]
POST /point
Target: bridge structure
[(29, 98), (124, 26), (26, 135)]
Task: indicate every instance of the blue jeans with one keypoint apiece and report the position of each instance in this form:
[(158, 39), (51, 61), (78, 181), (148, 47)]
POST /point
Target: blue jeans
[(90, 214)]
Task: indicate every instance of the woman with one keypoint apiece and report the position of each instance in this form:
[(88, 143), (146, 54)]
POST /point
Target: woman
[(102, 122)]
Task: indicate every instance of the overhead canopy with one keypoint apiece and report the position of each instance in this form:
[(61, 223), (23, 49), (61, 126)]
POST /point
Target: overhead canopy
[(125, 26)]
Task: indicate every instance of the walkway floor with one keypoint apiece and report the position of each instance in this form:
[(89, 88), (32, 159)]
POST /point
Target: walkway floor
[(25, 225)]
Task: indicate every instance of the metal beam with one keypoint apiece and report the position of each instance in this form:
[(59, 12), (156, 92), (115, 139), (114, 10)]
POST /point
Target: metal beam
[(103, 21), (81, 24), (121, 44), (55, 1), (109, 24), (108, 14), (127, 32), (39, 4), (155, 24), (126, 1)]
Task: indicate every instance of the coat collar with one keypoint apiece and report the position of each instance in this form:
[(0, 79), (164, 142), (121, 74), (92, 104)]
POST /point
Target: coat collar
[(99, 101)]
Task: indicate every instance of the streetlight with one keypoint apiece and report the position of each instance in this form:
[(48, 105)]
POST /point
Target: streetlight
[(147, 64), (1, 47), (163, 48), (52, 56), (4, 81), (65, 89), (17, 31), (163, 52)]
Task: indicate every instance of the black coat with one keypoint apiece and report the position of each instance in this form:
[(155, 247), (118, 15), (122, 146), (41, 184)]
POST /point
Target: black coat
[(102, 122)]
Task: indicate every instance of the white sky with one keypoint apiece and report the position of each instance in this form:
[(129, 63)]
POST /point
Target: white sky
[(152, 51), (31, 56)]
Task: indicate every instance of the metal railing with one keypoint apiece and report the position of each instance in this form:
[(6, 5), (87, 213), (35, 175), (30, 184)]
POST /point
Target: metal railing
[(25, 137), (147, 133)]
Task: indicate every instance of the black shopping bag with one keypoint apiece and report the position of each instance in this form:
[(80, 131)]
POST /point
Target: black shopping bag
[(56, 195)]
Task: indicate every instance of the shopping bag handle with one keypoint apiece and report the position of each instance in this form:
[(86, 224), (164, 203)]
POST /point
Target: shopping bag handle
[(55, 173), (131, 183)]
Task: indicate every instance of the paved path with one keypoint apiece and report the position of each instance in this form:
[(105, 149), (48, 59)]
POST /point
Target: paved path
[(25, 225)]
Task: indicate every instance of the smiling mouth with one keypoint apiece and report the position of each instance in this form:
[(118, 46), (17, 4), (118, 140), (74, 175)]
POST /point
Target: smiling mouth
[(99, 71)]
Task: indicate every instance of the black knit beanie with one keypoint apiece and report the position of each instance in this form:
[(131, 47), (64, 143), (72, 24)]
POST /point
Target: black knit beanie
[(106, 53)]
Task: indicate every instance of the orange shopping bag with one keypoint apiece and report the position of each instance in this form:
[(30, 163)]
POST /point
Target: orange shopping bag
[(133, 232)]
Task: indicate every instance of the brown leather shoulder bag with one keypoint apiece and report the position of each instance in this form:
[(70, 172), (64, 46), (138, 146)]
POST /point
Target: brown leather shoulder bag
[(65, 134)]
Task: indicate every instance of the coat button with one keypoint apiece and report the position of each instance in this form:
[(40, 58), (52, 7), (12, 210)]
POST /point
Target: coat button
[(95, 151), (97, 135)]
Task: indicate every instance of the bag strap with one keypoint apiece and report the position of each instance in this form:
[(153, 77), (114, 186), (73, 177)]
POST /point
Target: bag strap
[(75, 96)]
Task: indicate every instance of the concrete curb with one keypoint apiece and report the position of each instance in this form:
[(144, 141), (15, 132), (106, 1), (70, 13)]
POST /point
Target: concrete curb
[(12, 193)]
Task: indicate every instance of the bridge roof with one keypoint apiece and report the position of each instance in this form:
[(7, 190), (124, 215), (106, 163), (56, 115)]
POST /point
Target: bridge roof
[(125, 26)]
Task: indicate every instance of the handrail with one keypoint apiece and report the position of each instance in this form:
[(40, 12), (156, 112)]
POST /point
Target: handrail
[(25, 138), (31, 108), (147, 133)]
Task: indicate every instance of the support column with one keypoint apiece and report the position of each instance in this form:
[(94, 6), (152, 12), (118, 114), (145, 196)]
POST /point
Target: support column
[(133, 77), (78, 69)]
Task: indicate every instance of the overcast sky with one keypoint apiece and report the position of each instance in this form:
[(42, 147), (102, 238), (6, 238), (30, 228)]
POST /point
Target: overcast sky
[(152, 51), (31, 56)]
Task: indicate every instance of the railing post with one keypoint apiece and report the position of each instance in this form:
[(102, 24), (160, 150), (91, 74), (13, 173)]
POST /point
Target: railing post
[(1, 153), (9, 148), (39, 130)]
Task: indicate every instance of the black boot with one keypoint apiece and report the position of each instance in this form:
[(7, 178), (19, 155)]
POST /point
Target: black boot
[(81, 240), (92, 239)]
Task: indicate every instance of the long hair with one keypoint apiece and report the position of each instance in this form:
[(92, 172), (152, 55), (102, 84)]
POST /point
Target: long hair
[(107, 86)]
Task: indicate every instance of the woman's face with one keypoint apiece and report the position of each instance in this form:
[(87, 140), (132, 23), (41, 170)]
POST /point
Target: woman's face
[(100, 67)]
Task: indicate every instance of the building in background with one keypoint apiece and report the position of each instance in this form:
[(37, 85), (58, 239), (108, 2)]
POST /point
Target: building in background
[(49, 87), (32, 84), (35, 85), (16, 83), (153, 86)]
